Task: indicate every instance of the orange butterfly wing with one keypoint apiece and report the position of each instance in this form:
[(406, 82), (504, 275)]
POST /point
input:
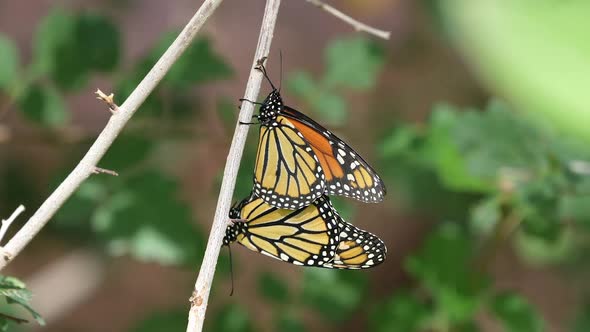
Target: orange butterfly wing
[(346, 173)]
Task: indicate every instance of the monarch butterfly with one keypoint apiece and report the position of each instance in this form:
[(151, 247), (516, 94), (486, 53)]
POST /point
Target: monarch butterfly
[(314, 235), (298, 160)]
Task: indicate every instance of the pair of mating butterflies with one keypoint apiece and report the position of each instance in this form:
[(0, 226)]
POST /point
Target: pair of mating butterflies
[(289, 216)]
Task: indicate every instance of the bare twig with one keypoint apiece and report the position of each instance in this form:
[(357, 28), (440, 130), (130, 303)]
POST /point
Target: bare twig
[(204, 281), (106, 138), (358, 26), (7, 222), (98, 170)]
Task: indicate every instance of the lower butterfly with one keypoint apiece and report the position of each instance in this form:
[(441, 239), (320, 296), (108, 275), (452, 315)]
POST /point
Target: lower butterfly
[(311, 236)]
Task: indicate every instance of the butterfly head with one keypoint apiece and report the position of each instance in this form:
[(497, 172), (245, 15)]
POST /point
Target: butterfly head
[(271, 106)]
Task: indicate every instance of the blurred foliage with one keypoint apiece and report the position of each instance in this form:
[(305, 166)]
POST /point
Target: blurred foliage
[(232, 318), (352, 63), (483, 174), (515, 313), (15, 293), (162, 321), (334, 293), (546, 71)]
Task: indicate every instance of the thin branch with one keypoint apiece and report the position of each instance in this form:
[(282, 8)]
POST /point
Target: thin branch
[(358, 26), (106, 138), (7, 222), (204, 281)]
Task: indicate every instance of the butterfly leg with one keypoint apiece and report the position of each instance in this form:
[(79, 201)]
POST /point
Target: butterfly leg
[(250, 101), (235, 221)]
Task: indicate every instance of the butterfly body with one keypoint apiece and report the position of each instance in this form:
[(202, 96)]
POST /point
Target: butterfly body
[(311, 236), (299, 160)]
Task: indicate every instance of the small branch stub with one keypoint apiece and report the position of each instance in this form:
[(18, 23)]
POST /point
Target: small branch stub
[(98, 170), (109, 100)]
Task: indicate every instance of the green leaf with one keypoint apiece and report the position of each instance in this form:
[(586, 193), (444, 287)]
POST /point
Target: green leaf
[(56, 30), (344, 208), (228, 112), (444, 266), (402, 312), (78, 209), (290, 323), (127, 151), (163, 321), (69, 47), (546, 71), (353, 62), (400, 142), (302, 84), (43, 105), (575, 207), (59, 51), (538, 251), (538, 204), (244, 180), (99, 42), (15, 292), (334, 293), (198, 64), (273, 288), (449, 161), (488, 154), (144, 218), (232, 318), (582, 322), (516, 314), (331, 107), (9, 63), (485, 215)]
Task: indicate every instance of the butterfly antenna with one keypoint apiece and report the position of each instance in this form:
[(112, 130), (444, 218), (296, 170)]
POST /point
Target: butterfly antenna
[(231, 271), (261, 67), (281, 70)]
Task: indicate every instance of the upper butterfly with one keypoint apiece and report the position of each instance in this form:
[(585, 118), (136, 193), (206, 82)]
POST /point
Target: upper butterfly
[(298, 160)]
